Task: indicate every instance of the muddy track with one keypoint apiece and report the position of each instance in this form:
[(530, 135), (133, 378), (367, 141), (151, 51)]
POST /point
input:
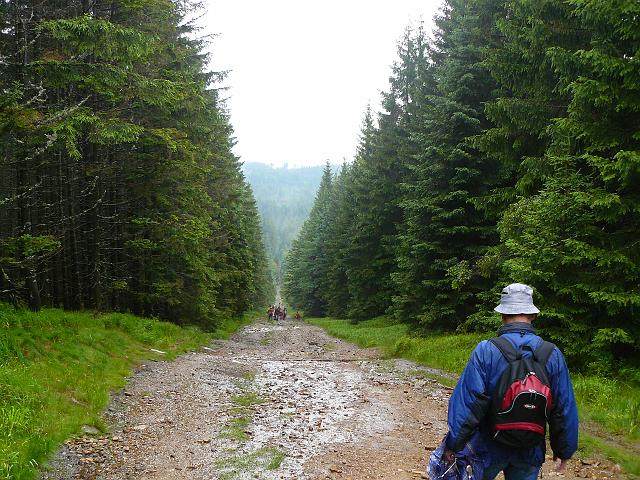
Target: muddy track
[(278, 401)]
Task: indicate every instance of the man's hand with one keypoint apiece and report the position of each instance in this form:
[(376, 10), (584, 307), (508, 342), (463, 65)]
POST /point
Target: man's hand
[(562, 465), (449, 455)]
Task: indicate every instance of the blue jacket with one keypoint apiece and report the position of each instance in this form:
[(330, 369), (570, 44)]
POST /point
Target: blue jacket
[(471, 398)]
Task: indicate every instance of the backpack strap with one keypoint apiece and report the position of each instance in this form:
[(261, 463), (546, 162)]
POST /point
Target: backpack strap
[(506, 348), (543, 352)]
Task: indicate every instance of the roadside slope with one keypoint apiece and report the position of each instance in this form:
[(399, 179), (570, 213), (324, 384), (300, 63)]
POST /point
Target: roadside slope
[(57, 370)]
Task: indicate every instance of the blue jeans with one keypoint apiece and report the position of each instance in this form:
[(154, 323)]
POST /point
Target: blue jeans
[(512, 471)]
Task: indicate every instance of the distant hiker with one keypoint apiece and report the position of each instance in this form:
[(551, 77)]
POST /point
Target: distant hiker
[(284, 313), (511, 387), (298, 316), (270, 313)]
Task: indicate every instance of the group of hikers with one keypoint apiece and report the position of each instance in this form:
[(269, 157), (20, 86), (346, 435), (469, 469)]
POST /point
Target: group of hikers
[(278, 312)]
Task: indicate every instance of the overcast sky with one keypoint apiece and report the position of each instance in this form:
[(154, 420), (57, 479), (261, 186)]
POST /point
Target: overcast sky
[(302, 72)]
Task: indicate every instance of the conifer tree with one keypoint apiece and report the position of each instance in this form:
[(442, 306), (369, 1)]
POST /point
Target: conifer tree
[(119, 187), (339, 240), (444, 231), (382, 165), (309, 258), (576, 239)]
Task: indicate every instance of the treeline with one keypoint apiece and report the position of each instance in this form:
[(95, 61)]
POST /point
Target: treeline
[(118, 187), (507, 148)]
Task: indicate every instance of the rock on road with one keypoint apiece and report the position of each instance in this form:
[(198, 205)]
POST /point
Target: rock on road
[(278, 401)]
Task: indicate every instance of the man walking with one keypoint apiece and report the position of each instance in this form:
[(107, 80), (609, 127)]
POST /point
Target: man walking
[(471, 414)]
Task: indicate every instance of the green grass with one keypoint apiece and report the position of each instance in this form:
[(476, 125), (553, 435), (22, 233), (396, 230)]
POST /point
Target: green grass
[(610, 403), (238, 462), (57, 370), (242, 414), (269, 458), (267, 339), (235, 428), (607, 406), (229, 326), (395, 340), (446, 381), (593, 446), (246, 399), (275, 458)]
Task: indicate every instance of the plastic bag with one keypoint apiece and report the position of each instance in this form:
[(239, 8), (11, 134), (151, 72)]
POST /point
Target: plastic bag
[(467, 465)]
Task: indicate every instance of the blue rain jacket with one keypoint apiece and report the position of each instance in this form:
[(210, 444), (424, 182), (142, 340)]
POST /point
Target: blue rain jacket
[(471, 400)]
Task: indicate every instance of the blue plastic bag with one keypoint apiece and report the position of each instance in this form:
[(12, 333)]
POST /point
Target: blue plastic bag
[(467, 465)]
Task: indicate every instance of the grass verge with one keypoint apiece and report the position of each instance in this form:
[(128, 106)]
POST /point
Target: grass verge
[(608, 406), (395, 340), (229, 326), (57, 369)]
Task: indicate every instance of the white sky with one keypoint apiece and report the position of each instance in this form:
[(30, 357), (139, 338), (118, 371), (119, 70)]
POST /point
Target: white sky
[(302, 72)]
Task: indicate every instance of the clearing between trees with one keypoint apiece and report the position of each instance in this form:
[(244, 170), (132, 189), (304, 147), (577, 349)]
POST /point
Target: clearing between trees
[(277, 401)]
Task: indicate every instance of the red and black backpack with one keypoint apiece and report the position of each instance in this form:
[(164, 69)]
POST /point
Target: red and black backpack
[(522, 401)]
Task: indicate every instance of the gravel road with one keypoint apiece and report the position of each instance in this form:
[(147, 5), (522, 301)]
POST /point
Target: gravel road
[(278, 401)]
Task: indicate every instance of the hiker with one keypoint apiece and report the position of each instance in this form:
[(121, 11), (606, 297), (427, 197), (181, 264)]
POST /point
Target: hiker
[(270, 313), (298, 316), (503, 428)]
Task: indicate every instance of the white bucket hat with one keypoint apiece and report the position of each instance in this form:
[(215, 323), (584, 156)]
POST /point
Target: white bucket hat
[(516, 298)]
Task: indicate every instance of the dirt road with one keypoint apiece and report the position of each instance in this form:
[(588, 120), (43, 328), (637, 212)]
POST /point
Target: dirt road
[(279, 401)]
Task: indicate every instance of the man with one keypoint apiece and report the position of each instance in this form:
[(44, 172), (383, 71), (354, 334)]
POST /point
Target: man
[(468, 419)]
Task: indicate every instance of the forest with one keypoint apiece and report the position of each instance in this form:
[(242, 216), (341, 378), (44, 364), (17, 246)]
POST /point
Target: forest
[(505, 149), (118, 188), (284, 197)]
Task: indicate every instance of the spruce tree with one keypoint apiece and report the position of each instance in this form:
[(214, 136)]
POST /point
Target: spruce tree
[(381, 167), (444, 230), (118, 184), (339, 239), (309, 258), (575, 240)]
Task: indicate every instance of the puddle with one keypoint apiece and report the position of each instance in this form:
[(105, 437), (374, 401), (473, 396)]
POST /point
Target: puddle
[(264, 329), (306, 409)]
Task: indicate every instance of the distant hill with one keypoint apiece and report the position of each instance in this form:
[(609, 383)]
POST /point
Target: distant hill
[(285, 197)]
